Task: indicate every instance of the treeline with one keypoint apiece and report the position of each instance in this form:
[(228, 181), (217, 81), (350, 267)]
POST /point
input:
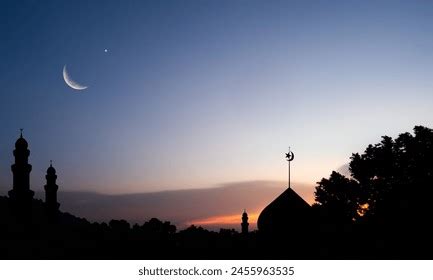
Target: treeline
[(39, 236)]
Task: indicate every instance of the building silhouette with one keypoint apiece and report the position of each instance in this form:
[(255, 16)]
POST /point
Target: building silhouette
[(21, 196), (244, 224), (51, 188), (288, 213), (283, 223)]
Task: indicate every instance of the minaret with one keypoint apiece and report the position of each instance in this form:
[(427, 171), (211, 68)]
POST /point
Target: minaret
[(51, 188), (245, 223), (21, 196)]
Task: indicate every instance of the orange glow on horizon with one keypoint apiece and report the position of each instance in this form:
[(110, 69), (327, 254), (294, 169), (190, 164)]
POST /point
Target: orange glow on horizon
[(226, 220)]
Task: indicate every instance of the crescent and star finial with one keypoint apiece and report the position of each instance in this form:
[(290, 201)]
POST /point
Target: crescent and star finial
[(290, 156)]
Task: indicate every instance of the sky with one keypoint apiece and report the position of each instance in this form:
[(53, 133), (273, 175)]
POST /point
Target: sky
[(194, 94)]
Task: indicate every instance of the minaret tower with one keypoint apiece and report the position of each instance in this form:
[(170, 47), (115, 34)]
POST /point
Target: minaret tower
[(245, 223), (51, 188), (21, 196)]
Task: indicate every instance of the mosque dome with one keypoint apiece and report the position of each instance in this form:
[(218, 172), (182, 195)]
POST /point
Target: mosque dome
[(51, 170), (286, 213), (21, 143)]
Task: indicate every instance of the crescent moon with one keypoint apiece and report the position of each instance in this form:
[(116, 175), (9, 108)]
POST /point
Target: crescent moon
[(71, 82)]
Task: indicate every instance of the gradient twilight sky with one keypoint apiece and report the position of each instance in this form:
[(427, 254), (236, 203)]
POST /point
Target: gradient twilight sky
[(198, 93)]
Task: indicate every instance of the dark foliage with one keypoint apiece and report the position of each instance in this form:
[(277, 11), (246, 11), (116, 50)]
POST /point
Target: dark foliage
[(386, 205), (40, 236)]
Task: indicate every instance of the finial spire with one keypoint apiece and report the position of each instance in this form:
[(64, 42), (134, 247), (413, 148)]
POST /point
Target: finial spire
[(51, 163), (21, 131), (289, 156)]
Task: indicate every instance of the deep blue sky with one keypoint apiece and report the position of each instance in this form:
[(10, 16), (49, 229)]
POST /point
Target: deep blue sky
[(197, 93)]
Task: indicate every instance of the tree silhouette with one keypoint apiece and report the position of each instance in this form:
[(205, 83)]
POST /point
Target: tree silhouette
[(384, 208), (390, 191), (338, 197)]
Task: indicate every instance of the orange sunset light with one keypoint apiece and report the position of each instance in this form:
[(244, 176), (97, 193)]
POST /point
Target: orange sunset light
[(226, 220)]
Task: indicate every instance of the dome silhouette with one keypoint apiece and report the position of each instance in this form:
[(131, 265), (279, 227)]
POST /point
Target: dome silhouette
[(51, 170), (21, 143), (286, 213)]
